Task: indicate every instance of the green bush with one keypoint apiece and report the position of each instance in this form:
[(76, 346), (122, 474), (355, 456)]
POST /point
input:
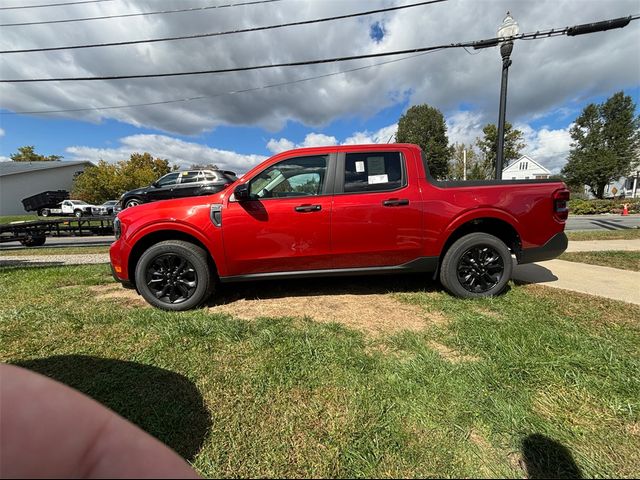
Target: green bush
[(594, 207)]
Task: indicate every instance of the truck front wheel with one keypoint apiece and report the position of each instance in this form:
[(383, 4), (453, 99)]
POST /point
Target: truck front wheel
[(174, 275), (476, 265), (78, 213)]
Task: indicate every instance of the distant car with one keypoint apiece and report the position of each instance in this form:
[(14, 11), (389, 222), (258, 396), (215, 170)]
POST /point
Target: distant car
[(107, 208), (189, 183)]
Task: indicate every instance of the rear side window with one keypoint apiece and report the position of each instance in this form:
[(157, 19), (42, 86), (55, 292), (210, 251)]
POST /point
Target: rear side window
[(373, 172)]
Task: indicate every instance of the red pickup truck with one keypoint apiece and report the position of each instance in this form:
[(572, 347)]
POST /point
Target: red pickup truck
[(346, 210)]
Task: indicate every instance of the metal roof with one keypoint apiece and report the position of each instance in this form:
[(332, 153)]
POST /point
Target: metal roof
[(12, 168)]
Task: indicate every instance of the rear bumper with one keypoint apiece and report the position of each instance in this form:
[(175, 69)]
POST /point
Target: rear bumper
[(552, 249)]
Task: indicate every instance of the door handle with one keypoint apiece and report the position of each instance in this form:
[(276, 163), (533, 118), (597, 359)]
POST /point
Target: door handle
[(395, 202), (308, 208)]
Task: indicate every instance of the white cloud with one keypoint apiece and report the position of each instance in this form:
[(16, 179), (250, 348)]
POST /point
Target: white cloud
[(465, 127), (4, 159), (548, 147), (311, 140), (177, 151), (545, 75), (384, 135), (1, 132)]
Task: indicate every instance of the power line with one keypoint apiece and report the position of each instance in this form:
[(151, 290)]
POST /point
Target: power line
[(237, 69), (215, 34), (124, 15), (205, 97), (476, 44), (53, 4)]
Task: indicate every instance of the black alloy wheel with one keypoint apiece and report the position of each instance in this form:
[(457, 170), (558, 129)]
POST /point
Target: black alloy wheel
[(175, 275), (476, 265), (480, 269), (171, 278)]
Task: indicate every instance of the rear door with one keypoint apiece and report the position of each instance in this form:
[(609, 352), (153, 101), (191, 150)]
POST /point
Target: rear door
[(286, 226), (377, 210)]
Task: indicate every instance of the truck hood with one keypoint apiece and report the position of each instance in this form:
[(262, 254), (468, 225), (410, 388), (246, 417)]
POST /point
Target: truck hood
[(173, 209)]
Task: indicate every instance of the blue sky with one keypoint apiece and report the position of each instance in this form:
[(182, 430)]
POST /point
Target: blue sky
[(550, 80)]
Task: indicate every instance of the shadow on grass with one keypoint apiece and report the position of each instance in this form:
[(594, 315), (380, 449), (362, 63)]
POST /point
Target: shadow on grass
[(546, 458), (304, 287), (163, 403)]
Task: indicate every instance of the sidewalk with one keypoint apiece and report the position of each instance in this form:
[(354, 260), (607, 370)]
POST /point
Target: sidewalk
[(602, 245)]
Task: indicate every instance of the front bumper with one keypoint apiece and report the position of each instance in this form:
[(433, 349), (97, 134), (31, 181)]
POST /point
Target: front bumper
[(550, 250)]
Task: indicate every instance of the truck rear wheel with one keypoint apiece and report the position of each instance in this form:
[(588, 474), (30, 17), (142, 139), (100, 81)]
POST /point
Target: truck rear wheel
[(174, 275), (476, 265), (33, 241), (77, 213), (44, 212)]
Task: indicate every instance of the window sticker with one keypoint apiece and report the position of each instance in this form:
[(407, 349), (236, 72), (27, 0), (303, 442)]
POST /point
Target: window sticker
[(373, 179), (375, 166), (359, 167)]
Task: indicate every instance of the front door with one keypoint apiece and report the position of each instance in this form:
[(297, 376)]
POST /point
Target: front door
[(377, 211), (163, 188), (286, 226)]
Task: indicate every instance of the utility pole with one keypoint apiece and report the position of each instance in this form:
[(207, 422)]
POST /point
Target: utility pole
[(464, 161)]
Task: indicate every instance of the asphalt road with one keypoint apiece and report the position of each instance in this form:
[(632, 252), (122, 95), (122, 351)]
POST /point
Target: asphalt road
[(602, 222)]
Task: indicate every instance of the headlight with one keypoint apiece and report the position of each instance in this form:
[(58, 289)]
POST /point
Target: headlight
[(117, 227)]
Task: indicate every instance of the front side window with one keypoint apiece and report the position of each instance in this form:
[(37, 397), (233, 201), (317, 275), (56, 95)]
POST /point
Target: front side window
[(373, 172), (294, 177), (168, 179)]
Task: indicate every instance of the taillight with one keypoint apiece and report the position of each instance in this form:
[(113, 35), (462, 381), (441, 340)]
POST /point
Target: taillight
[(560, 206)]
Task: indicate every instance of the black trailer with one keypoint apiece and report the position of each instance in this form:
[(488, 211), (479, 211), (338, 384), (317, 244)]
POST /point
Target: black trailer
[(35, 233), (42, 200)]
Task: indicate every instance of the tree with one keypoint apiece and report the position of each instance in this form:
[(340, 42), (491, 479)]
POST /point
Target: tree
[(28, 154), (424, 126), (107, 181), (606, 138), (488, 145), (474, 169)]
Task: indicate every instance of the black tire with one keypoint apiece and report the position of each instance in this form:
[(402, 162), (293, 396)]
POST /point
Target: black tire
[(476, 265), (133, 202), (33, 241), (174, 275), (78, 213), (45, 212)]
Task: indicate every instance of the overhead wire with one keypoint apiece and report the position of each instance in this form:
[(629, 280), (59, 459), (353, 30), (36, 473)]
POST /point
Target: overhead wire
[(231, 92), (139, 14), (21, 7), (229, 32)]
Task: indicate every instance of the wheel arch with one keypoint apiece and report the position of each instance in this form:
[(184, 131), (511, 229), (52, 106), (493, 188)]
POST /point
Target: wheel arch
[(497, 227), (146, 241)]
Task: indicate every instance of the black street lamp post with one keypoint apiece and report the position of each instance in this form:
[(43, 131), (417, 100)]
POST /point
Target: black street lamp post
[(509, 28)]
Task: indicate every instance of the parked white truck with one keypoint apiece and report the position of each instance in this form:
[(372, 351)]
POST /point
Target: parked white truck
[(68, 207)]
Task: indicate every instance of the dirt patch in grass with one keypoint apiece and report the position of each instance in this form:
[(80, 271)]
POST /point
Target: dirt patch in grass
[(373, 314), (125, 296), (450, 354)]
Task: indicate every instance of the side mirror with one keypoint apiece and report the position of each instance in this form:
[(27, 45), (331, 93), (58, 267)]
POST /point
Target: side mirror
[(241, 192)]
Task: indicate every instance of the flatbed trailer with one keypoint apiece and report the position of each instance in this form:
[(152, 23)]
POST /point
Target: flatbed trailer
[(35, 233)]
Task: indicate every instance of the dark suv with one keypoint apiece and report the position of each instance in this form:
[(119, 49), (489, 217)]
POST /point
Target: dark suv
[(189, 183)]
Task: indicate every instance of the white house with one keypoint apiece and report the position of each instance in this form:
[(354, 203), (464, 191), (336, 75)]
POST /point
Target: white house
[(525, 168), (20, 180)]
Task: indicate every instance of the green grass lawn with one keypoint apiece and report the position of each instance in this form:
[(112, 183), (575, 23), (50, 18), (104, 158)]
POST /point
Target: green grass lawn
[(538, 377), (28, 252), (20, 218), (615, 259), (581, 235)]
